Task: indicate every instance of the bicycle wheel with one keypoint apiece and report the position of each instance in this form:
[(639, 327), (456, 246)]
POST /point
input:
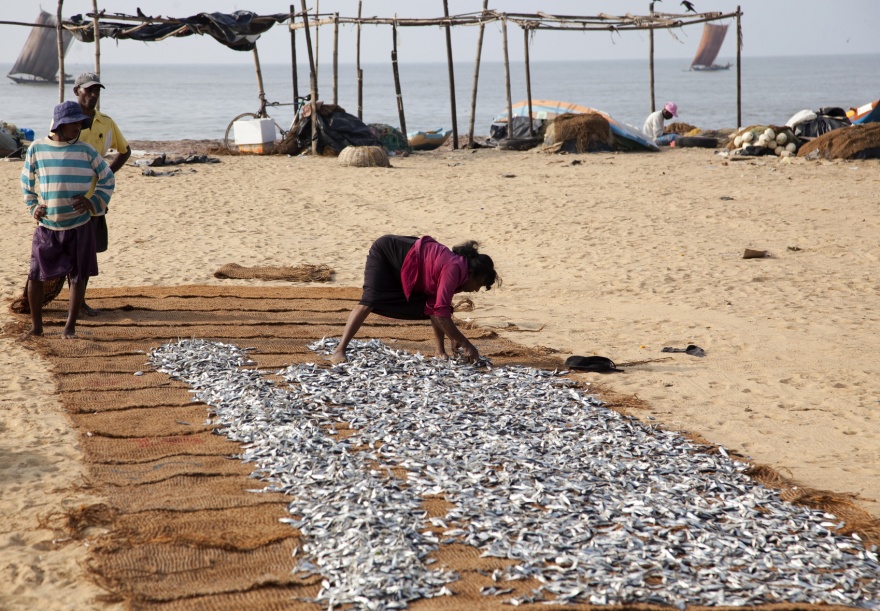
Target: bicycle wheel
[(226, 144)]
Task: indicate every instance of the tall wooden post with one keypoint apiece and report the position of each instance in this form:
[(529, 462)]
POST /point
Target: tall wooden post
[(476, 77), (739, 44), (295, 74), (59, 33), (651, 55), (507, 78), (451, 69), (360, 73), (97, 26), (317, 35), (397, 90), (336, 58), (262, 93), (528, 81), (313, 80)]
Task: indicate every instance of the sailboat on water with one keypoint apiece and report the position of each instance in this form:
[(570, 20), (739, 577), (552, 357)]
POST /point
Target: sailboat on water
[(37, 64), (710, 45)]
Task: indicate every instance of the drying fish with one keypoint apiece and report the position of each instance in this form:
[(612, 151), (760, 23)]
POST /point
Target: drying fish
[(595, 506)]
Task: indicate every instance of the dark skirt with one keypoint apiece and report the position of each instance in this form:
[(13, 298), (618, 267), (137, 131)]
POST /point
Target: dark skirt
[(383, 289), (101, 237), (69, 252)]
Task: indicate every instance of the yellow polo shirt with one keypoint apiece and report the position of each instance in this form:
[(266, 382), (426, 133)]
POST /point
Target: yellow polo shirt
[(103, 135)]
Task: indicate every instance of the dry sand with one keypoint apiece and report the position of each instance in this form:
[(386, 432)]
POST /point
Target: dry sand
[(611, 254)]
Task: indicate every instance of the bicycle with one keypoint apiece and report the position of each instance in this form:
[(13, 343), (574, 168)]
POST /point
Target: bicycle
[(261, 113)]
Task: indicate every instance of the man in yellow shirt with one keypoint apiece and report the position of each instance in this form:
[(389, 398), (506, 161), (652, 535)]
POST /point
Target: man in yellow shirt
[(103, 135)]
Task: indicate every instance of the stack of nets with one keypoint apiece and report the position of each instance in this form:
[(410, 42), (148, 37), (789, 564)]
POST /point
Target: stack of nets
[(855, 142), (364, 157), (682, 129), (391, 138), (581, 133)]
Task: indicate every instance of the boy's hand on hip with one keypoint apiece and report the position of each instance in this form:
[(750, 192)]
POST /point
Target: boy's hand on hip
[(82, 204)]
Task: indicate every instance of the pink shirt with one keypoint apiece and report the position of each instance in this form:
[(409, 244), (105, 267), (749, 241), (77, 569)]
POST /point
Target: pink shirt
[(433, 270)]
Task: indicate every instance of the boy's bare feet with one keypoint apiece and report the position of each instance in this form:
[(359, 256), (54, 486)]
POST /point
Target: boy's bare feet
[(88, 310), (338, 358)]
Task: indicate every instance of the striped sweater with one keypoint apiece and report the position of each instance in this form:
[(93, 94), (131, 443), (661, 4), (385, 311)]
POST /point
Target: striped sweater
[(64, 171)]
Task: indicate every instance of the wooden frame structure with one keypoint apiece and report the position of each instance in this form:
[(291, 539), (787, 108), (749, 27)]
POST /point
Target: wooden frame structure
[(528, 23)]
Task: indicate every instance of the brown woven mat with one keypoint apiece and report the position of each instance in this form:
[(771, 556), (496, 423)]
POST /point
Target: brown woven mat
[(184, 529), (298, 273)]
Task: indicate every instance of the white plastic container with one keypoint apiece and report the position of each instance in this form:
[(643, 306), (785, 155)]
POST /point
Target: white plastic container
[(254, 131)]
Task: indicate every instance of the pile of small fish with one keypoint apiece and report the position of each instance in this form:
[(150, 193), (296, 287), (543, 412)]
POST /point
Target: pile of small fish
[(596, 506)]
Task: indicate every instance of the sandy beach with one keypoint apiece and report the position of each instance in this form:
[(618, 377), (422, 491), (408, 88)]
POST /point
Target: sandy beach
[(618, 255)]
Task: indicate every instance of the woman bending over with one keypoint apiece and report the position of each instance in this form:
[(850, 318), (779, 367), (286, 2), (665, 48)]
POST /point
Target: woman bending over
[(414, 279)]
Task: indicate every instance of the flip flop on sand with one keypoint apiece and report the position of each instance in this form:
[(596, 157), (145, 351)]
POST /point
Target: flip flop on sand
[(598, 364), (692, 349)]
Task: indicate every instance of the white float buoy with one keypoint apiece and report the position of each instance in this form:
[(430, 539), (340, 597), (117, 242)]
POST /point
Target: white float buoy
[(781, 138)]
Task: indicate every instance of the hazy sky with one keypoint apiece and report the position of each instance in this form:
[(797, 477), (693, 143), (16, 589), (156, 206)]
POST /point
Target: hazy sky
[(770, 28)]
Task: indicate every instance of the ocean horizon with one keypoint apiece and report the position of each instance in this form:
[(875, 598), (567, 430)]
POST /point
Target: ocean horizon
[(197, 101)]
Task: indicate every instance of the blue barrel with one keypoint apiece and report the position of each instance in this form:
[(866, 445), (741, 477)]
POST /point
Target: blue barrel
[(28, 133)]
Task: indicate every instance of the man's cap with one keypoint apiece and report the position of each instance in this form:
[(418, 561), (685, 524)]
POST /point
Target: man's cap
[(672, 107), (70, 112), (87, 79)]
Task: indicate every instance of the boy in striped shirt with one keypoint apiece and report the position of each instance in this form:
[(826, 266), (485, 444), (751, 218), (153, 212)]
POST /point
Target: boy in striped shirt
[(64, 240)]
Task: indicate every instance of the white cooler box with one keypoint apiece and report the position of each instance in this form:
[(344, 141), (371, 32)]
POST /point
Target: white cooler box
[(254, 135)]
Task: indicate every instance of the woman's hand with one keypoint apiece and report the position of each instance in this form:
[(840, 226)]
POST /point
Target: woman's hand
[(466, 349)]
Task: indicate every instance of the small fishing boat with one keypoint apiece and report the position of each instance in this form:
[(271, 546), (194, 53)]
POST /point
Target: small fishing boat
[(866, 113), (710, 46), (428, 141), (37, 64)]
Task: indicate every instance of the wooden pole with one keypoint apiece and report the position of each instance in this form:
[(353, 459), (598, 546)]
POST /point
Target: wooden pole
[(295, 74), (397, 80), (336, 58), (97, 26), (317, 35), (739, 43), (528, 81), (651, 56), (360, 73), (451, 75), (313, 80), (476, 79), (262, 93), (507, 77), (59, 33)]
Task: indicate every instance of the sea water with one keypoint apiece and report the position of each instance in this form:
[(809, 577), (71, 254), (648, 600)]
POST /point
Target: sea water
[(170, 102)]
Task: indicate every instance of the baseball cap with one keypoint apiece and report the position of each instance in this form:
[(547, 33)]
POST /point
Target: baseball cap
[(672, 107), (69, 112), (87, 79)]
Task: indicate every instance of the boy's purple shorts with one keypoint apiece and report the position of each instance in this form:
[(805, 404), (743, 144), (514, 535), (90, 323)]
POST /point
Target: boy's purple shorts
[(69, 252)]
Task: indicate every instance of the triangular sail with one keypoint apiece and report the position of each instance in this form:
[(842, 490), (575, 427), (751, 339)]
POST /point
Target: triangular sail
[(39, 57), (710, 45)]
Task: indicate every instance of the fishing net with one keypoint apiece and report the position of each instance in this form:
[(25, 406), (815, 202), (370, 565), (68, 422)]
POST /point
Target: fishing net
[(391, 138), (51, 288), (580, 133), (853, 142)]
